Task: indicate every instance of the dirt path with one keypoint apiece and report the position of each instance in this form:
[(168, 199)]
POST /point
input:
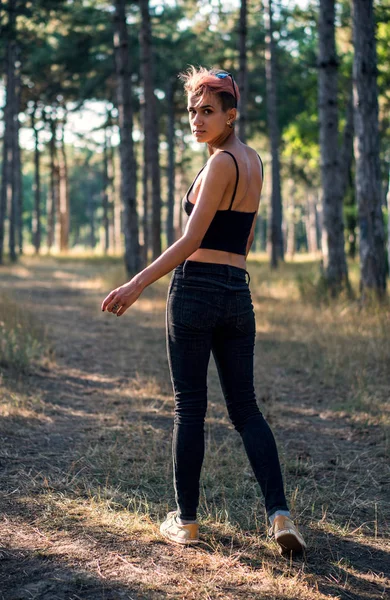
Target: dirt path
[(85, 467)]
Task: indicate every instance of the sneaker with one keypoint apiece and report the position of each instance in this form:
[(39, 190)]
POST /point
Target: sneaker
[(179, 534), (287, 535)]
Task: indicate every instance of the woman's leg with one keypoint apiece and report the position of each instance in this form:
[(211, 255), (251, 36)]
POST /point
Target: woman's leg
[(233, 349), (189, 350)]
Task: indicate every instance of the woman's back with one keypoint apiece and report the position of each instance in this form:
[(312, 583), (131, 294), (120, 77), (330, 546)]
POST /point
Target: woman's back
[(229, 236), (247, 197)]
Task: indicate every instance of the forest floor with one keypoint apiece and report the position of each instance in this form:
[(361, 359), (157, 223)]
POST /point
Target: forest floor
[(85, 452)]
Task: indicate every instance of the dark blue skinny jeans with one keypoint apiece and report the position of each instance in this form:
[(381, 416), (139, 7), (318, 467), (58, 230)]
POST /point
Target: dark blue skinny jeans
[(210, 309)]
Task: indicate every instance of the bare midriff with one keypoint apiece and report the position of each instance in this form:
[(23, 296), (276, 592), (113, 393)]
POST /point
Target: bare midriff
[(218, 256)]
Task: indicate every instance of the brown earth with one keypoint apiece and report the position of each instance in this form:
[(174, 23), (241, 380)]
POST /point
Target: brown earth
[(86, 475)]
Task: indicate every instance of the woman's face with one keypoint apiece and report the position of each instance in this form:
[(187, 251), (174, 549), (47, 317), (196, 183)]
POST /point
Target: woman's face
[(207, 119)]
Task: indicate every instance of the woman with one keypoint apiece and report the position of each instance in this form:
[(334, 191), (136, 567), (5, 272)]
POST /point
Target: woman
[(209, 309)]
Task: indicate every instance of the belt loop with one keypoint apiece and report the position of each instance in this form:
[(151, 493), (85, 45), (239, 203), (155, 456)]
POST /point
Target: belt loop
[(184, 267), (249, 277)]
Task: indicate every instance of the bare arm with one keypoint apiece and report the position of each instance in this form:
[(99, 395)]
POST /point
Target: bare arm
[(214, 183)]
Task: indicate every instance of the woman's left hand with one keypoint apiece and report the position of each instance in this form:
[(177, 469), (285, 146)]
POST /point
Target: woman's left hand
[(120, 299)]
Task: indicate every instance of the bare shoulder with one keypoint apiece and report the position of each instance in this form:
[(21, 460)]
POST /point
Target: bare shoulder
[(251, 153), (220, 160)]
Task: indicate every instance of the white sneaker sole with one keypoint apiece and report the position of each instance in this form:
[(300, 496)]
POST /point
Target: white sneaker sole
[(176, 540), (289, 541)]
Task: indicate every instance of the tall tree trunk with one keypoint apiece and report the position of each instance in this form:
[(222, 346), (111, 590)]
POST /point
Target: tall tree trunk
[(311, 222), (171, 161), (243, 72), (10, 110), (12, 195), (368, 176), (91, 215), (145, 191), (36, 222), (290, 246), (335, 264), (275, 224), (52, 200), (64, 204), (118, 204), (127, 159), (106, 196), (18, 180), (151, 122)]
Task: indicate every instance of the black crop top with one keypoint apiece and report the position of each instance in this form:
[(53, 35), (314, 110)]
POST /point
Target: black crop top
[(229, 230)]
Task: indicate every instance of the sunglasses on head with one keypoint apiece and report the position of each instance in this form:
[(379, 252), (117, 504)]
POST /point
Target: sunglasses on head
[(223, 76)]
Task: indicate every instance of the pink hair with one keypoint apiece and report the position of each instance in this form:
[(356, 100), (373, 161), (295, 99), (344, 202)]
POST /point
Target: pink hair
[(201, 81)]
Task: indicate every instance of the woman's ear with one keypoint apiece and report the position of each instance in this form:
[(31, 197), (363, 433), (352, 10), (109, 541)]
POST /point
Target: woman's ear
[(232, 114)]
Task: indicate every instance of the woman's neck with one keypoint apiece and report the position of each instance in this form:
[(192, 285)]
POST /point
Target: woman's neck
[(220, 141)]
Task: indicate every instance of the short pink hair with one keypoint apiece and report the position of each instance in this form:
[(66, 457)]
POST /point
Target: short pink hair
[(202, 81)]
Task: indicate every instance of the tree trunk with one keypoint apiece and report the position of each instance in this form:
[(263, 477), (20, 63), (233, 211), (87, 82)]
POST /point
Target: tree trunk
[(13, 200), (335, 264), (18, 179), (106, 193), (243, 72), (36, 221), (311, 222), (127, 159), (275, 224), (151, 125), (171, 162), (368, 176), (64, 205), (290, 247), (10, 109), (52, 200), (118, 204), (145, 192), (91, 215)]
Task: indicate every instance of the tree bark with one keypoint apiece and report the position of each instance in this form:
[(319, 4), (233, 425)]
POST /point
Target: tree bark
[(64, 204), (91, 215), (145, 192), (311, 222), (275, 224), (7, 181), (127, 159), (13, 200), (151, 122), (171, 162), (368, 176), (36, 221), (335, 264), (18, 177), (290, 245), (106, 193), (243, 72), (52, 199)]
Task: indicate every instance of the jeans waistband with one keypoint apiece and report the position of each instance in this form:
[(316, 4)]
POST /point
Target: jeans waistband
[(229, 273)]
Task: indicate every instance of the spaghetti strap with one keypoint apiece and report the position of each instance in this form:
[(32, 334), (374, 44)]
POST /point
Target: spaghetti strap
[(262, 167), (238, 176), (193, 183)]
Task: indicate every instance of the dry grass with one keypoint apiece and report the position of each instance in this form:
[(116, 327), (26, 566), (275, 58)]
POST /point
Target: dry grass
[(88, 464), (22, 336)]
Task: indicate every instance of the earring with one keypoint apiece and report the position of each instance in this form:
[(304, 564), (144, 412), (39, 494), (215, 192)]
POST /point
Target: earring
[(229, 124)]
